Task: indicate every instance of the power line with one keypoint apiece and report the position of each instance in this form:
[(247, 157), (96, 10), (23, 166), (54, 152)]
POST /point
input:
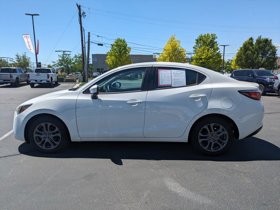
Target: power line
[(60, 37)]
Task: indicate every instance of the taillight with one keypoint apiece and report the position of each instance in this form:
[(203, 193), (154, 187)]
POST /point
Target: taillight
[(48, 76), (275, 77), (251, 94)]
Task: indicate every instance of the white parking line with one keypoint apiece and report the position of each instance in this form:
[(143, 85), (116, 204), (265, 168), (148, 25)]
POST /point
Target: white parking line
[(6, 135)]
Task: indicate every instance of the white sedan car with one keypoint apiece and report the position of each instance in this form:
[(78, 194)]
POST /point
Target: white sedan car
[(165, 102), (276, 85)]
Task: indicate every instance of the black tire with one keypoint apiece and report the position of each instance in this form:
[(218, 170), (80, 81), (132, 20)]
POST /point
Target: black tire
[(16, 83), (51, 83), (212, 136), (56, 82), (31, 85), (48, 134)]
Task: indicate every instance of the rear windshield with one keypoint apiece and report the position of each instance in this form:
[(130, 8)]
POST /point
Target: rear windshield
[(8, 70), (263, 73), (42, 71)]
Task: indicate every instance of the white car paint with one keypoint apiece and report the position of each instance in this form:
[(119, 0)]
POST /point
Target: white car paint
[(276, 85), (156, 115)]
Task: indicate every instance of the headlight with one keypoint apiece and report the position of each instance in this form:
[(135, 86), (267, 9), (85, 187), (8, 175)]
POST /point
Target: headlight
[(22, 108)]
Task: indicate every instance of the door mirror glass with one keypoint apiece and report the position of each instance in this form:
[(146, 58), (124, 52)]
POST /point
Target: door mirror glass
[(94, 91)]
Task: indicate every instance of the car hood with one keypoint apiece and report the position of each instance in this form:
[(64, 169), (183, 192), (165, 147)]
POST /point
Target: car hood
[(57, 94)]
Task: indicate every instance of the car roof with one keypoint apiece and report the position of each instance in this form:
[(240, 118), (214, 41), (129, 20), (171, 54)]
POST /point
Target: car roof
[(213, 75)]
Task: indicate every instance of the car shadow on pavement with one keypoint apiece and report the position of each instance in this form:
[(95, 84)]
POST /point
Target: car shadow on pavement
[(46, 86), (10, 86), (250, 149)]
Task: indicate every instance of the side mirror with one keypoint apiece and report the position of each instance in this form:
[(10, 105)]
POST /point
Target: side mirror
[(94, 92)]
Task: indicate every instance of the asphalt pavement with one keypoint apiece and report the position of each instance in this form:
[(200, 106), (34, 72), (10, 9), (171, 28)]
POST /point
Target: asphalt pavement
[(137, 175)]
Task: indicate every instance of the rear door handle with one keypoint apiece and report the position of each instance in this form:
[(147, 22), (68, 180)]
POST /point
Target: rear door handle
[(134, 101), (194, 96)]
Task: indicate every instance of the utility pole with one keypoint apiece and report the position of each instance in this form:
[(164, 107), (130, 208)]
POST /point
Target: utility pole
[(224, 47), (82, 41), (88, 54), (34, 36)]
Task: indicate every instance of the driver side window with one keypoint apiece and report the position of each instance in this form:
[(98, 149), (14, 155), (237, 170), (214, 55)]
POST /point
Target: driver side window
[(124, 81)]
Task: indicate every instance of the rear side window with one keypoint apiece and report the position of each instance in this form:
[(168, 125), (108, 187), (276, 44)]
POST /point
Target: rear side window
[(172, 77), (8, 70), (43, 71), (263, 73)]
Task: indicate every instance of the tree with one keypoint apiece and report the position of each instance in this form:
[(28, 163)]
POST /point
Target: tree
[(64, 61), (206, 52), (119, 54), (3, 63), (77, 63), (22, 61), (228, 65), (255, 55), (173, 52), (234, 66)]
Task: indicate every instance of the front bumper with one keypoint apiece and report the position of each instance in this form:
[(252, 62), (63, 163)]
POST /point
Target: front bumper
[(18, 127)]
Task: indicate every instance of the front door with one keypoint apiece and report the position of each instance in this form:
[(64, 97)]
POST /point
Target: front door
[(119, 110)]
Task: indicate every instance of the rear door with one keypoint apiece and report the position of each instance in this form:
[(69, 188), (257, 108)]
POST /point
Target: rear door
[(176, 97)]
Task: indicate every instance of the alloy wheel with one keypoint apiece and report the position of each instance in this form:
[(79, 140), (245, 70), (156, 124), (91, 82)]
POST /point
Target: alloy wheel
[(213, 137)]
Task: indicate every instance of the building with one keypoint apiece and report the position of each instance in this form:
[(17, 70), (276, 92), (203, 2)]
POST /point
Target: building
[(99, 64)]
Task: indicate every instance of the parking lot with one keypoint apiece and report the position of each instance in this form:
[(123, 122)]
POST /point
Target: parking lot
[(137, 175)]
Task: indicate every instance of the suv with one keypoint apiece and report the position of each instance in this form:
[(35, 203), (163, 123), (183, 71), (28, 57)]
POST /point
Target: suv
[(264, 78)]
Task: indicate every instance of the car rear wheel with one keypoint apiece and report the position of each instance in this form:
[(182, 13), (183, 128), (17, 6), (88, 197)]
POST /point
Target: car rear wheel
[(212, 136), (48, 134), (16, 83), (32, 85)]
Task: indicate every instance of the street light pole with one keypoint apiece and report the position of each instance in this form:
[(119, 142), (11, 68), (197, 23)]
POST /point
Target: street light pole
[(34, 36), (224, 46)]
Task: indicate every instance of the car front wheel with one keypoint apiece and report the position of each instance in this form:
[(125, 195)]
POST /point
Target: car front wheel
[(212, 136), (48, 134)]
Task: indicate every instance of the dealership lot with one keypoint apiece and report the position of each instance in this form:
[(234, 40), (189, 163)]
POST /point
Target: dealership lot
[(138, 175)]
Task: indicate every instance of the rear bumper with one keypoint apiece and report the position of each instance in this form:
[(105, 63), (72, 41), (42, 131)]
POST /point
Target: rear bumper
[(254, 133), (269, 88), (39, 81)]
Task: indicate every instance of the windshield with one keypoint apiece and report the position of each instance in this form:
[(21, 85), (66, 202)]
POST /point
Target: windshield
[(262, 73), (8, 70), (42, 71)]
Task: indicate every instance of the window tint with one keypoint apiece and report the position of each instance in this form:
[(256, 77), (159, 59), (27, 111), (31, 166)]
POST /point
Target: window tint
[(242, 73), (263, 73), (171, 77), (8, 70), (43, 71), (129, 80)]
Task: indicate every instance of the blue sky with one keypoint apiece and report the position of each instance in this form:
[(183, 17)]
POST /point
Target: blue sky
[(145, 24)]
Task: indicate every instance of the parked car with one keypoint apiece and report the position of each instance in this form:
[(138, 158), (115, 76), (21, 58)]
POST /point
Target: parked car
[(276, 85), (74, 77), (169, 102), (42, 76), (96, 74), (12, 75), (264, 78)]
